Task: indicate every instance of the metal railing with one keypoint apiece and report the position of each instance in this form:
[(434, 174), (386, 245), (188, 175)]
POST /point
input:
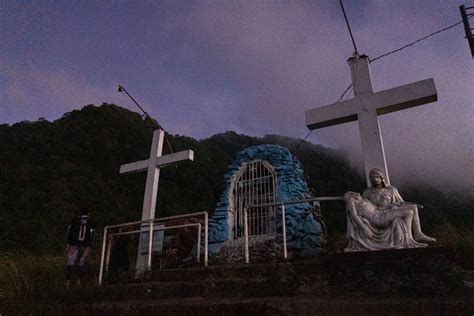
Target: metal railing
[(150, 230), (283, 215)]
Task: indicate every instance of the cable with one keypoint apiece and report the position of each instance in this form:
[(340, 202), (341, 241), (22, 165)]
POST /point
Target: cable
[(413, 43), (374, 59), (349, 27), (122, 89), (301, 142), (342, 95), (309, 133)]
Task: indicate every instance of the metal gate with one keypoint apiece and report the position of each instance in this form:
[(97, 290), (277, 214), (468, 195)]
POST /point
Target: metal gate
[(255, 185)]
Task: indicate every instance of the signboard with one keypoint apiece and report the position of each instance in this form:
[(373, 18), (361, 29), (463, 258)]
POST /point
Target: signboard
[(157, 243), (169, 256)]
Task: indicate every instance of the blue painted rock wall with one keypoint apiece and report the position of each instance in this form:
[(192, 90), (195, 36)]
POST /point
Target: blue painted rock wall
[(304, 235)]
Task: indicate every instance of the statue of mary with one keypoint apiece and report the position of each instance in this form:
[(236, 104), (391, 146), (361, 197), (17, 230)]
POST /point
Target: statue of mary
[(380, 219)]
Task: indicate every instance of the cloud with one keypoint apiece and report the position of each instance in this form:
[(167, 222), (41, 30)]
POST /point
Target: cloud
[(273, 54), (289, 59), (255, 67), (38, 92), (190, 110)]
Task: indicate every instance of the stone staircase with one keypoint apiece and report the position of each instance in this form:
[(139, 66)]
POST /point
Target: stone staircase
[(422, 281)]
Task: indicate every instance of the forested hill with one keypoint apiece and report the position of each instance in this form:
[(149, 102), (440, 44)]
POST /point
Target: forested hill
[(48, 170)]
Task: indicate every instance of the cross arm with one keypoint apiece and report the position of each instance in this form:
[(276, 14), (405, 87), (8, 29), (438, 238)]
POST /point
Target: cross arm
[(404, 97), (174, 158), (136, 166), (333, 114), (161, 161)]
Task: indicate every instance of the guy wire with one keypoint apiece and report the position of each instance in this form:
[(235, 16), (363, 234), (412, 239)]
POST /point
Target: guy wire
[(413, 43), (145, 113), (309, 133)]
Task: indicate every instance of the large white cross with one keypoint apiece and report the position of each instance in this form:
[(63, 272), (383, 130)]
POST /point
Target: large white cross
[(152, 166), (366, 106)]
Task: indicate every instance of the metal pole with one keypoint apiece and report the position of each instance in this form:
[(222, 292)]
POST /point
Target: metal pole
[(467, 27), (102, 256), (283, 220), (150, 245), (349, 27), (102, 260), (107, 257), (122, 89), (246, 236), (104, 241), (323, 198), (157, 229), (199, 243), (158, 219), (206, 239)]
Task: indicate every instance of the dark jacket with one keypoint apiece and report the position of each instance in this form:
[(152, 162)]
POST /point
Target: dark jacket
[(81, 231)]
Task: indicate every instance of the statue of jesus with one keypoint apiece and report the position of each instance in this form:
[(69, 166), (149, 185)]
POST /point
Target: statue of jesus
[(381, 219)]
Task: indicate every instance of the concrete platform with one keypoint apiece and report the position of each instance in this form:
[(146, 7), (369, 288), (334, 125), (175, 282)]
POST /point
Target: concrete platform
[(396, 282)]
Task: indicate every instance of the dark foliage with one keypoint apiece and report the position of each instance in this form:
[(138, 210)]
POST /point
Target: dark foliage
[(48, 170)]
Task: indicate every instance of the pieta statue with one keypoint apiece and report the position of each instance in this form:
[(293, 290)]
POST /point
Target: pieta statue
[(380, 219)]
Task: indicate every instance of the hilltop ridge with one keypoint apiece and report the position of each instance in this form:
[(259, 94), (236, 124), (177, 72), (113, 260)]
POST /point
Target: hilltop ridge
[(48, 170)]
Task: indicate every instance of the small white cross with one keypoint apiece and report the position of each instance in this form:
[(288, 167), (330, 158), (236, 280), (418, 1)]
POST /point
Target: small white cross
[(366, 106)]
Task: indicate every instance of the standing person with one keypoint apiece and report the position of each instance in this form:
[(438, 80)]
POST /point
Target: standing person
[(80, 234)]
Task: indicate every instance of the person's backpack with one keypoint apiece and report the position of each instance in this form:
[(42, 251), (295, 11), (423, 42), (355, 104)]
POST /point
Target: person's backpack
[(81, 231)]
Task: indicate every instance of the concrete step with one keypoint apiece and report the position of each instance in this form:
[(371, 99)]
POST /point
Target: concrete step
[(212, 287), (408, 281), (321, 265), (273, 306), (315, 266)]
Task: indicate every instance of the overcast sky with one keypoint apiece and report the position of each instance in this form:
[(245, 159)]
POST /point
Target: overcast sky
[(254, 67)]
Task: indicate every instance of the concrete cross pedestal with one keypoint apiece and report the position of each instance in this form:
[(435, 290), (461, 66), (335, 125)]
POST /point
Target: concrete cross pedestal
[(152, 166), (366, 106)]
